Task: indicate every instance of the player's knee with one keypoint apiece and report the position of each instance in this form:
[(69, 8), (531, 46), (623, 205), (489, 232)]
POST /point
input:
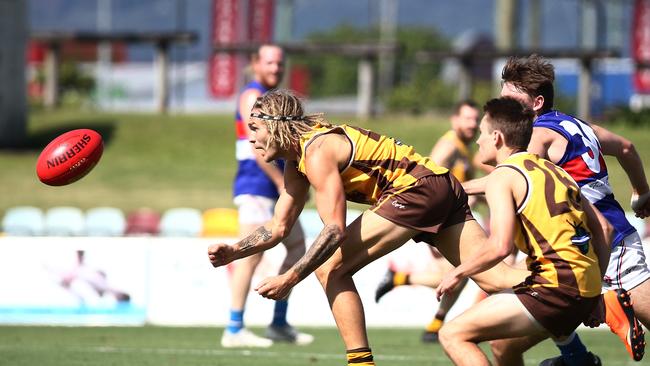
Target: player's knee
[(330, 273), (449, 334)]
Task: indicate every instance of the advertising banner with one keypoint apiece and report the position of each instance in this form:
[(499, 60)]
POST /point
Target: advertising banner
[(223, 67), (641, 45), (260, 20), (73, 281), (169, 281)]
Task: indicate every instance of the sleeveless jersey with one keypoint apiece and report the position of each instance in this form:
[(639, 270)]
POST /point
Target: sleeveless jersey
[(250, 178), (584, 161), (552, 228), (377, 163), (462, 167)]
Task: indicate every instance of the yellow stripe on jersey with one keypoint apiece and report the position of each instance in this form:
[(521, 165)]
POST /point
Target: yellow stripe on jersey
[(553, 228), (462, 166), (377, 163)]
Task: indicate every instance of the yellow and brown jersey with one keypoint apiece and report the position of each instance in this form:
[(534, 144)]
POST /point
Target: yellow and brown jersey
[(461, 166), (377, 163), (552, 228)]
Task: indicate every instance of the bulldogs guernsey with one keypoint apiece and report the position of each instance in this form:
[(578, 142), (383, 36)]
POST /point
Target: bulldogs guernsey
[(584, 161), (250, 179)]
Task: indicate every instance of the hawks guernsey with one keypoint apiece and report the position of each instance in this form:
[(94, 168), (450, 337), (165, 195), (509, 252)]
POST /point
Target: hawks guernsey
[(552, 228), (584, 161), (377, 163), (250, 178), (463, 160)]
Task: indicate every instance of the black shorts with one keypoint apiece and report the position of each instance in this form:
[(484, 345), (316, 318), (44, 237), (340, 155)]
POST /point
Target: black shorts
[(431, 204)]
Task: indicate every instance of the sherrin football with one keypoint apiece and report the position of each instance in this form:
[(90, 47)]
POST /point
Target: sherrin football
[(69, 157)]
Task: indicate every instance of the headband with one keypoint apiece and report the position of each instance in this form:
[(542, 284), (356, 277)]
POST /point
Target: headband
[(268, 117)]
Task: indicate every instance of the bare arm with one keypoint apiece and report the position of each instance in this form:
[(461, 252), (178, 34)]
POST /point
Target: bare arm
[(322, 166), (499, 245), (541, 141), (287, 209), (629, 159), (443, 153), (602, 234), (323, 173), (475, 186)]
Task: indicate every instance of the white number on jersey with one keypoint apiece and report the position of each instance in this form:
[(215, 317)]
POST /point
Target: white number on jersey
[(589, 139)]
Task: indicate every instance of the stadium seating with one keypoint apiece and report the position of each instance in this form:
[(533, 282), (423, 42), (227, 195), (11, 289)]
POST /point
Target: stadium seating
[(64, 221), (182, 222), (23, 221), (105, 221), (142, 222), (220, 222)]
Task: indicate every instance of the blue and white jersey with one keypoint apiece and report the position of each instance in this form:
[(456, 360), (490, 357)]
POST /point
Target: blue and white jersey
[(250, 178), (583, 160)]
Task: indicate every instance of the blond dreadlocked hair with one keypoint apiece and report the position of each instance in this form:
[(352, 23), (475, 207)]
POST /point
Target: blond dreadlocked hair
[(290, 121)]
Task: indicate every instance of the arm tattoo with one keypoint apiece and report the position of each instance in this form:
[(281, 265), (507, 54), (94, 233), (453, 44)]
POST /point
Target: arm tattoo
[(324, 246), (260, 235)]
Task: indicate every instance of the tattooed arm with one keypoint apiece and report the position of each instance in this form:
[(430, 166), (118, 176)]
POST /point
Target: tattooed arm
[(324, 246), (290, 204), (324, 159)]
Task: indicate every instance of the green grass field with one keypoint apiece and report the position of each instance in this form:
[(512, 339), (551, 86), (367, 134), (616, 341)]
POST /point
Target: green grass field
[(159, 346), (185, 160)]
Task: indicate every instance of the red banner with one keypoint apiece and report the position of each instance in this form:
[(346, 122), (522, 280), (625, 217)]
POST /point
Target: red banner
[(260, 20), (222, 68), (641, 45)]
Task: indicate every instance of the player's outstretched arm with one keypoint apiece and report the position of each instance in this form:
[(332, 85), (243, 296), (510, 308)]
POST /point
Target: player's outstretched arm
[(287, 209), (475, 186), (322, 166), (502, 223), (629, 159)]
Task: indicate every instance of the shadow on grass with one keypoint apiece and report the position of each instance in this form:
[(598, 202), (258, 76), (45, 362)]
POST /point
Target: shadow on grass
[(37, 140)]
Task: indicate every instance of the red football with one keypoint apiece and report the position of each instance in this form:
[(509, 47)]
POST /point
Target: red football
[(69, 157)]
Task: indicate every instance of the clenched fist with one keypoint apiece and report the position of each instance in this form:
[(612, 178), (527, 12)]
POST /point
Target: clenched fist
[(220, 254)]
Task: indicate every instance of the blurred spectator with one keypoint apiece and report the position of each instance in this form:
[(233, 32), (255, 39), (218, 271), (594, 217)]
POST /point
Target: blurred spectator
[(256, 189)]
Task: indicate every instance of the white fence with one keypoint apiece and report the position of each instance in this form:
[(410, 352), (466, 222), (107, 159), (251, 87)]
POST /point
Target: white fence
[(170, 282)]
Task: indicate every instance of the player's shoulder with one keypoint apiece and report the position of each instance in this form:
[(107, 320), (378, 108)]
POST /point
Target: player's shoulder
[(507, 173), (248, 93)]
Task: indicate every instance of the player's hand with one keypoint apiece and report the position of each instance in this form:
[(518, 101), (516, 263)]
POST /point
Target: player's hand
[(449, 282), (641, 204), (220, 254), (276, 287)]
